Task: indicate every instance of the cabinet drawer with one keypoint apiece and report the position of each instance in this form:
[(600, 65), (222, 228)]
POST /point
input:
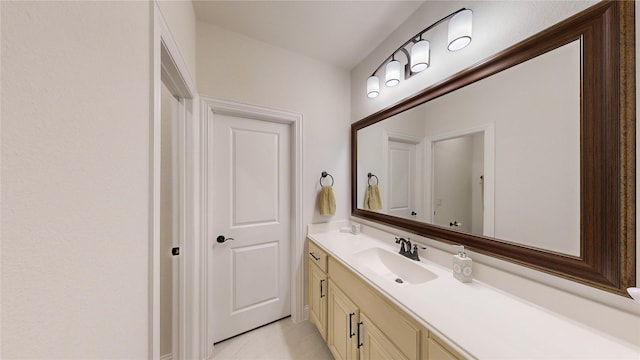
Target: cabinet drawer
[(317, 256), (403, 332)]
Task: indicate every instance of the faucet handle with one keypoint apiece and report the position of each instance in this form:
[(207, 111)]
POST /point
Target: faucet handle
[(415, 254)]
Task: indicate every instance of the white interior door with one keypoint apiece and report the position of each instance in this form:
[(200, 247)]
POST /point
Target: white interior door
[(402, 179), (249, 202)]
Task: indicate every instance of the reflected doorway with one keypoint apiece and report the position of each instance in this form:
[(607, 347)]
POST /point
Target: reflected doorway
[(458, 183), (461, 180)]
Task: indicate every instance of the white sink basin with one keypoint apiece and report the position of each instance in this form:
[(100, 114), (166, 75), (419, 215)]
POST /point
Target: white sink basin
[(394, 267)]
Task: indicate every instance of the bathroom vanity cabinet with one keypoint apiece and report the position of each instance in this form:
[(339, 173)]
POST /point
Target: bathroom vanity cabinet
[(359, 322), (375, 304)]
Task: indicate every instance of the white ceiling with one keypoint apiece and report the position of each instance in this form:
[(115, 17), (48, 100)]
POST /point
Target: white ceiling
[(342, 33)]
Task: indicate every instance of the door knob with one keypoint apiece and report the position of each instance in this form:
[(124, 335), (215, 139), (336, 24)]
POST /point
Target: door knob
[(222, 239), (175, 251)]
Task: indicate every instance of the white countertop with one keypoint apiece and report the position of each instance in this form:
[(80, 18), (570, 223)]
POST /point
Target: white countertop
[(476, 319)]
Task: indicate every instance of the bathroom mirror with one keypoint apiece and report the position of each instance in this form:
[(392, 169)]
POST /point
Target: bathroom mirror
[(437, 162), (528, 156)]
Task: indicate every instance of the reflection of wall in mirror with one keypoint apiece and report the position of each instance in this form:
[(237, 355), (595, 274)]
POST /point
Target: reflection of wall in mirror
[(535, 107), (373, 151)]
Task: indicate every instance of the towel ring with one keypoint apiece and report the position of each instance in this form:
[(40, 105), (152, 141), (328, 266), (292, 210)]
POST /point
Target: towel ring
[(370, 175), (324, 175)]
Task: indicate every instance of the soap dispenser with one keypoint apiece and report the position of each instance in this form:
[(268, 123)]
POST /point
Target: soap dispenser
[(462, 265)]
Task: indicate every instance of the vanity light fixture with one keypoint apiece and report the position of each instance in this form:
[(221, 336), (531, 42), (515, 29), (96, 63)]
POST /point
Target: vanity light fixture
[(420, 56), (418, 59), (373, 86), (459, 30), (392, 73)]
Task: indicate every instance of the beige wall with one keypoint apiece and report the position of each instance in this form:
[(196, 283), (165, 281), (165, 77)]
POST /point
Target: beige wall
[(237, 68), (180, 17), (75, 179), (75, 175), (498, 25)]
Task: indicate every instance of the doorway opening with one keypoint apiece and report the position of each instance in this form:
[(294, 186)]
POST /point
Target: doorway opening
[(229, 124), (173, 202), (460, 178)]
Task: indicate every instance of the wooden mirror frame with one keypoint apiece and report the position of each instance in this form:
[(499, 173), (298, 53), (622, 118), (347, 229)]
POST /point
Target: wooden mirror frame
[(607, 150)]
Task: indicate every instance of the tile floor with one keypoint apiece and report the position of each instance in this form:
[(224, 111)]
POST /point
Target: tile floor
[(281, 340)]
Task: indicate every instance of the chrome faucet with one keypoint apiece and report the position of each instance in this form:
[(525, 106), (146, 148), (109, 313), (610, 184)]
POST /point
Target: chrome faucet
[(406, 250)]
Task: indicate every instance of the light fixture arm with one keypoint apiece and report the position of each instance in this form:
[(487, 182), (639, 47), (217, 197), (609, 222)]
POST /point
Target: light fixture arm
[(413, 40)]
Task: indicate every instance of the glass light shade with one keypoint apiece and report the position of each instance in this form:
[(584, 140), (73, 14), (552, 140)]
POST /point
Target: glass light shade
[(373, 87), (460, 30), (420, 56), (392, 75)]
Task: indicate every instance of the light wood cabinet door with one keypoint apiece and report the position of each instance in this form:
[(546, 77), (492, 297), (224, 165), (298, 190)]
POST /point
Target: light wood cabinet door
[(343, 317), (434, 349), (374, 344), (317, 292), (437, 352)]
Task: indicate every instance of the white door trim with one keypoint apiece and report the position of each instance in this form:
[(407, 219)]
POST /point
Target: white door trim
[(169, 65), (212, 106)]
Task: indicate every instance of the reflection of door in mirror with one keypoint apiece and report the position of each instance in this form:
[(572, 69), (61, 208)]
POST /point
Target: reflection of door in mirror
[(458, 173), (402, 179)]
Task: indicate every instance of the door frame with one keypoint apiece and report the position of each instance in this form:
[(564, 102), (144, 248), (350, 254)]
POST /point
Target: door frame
[(209, 107), (169, 65)]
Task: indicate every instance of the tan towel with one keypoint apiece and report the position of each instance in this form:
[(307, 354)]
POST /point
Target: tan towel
[(372, 198), (327, 202)]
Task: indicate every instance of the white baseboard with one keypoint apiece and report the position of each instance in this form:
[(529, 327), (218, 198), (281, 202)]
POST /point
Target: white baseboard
[(168, 356)]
